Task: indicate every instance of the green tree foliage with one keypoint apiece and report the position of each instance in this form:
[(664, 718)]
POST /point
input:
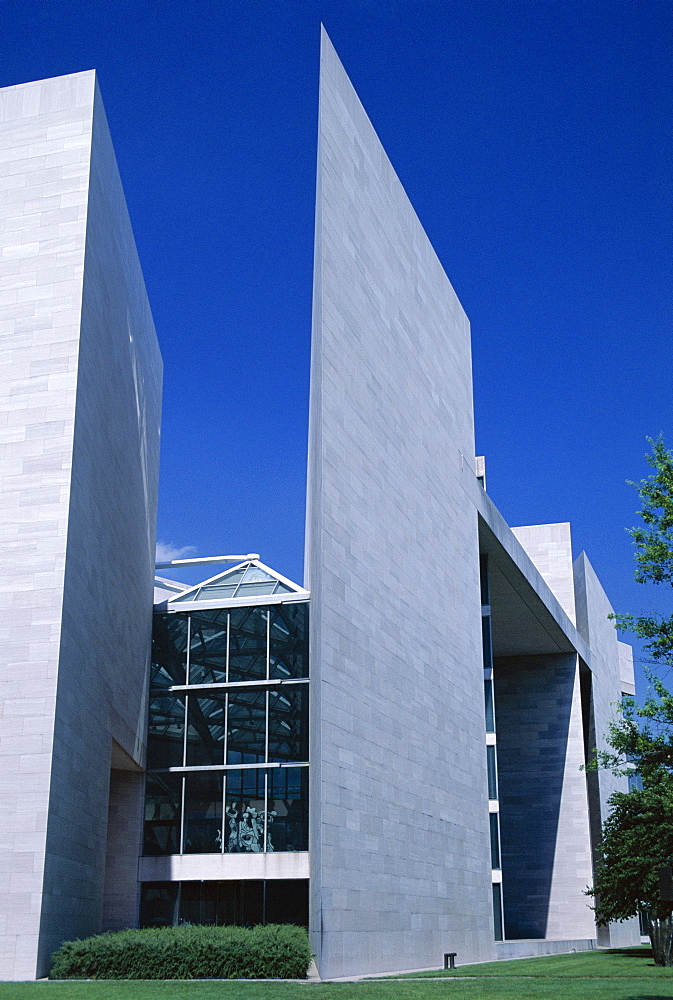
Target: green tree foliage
[(654, 542), (643, 735), (637, 838), (637, 842)]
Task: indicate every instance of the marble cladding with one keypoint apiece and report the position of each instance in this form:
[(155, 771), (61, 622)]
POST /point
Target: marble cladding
[(544, 822), (45, 145), (399, 843), (549, 547), (611, 668), (126, 808), (80, 377)]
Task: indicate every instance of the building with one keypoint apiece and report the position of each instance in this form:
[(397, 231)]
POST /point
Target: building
[(391, 753)]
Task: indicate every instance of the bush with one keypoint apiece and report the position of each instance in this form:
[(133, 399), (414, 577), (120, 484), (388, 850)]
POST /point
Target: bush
[(191, 952)]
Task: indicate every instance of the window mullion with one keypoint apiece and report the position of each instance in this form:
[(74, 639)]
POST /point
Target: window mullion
[(224, 803), (185, 732), (182, 815), (226, 667), (266, 809), (189, 643)]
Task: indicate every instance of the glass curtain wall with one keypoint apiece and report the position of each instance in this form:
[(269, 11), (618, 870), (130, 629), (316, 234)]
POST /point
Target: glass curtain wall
[(227, 750), (491, 752), (277, 901)]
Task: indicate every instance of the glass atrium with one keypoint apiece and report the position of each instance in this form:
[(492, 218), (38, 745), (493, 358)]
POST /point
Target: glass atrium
[(227, 758)]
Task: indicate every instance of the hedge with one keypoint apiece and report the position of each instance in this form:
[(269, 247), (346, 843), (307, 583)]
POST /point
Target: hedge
[(192, 952)]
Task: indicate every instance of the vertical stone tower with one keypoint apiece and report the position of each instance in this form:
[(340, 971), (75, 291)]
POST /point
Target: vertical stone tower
[(400, 839), (80, 401)]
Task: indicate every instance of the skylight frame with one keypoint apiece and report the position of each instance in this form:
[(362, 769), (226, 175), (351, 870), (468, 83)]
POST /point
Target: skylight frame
[(179, 602)]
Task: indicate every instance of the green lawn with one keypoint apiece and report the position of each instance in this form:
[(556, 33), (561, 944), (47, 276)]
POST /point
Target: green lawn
[(630, 963), (613, 975)]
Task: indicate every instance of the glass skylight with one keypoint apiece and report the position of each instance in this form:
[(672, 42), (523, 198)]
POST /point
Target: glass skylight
[(247, 580)]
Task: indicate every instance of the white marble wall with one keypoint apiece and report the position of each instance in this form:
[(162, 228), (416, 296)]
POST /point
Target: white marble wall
[(609, 670), (399, 835), (626, 673), (45, 145), (549, 547), (79, 433)]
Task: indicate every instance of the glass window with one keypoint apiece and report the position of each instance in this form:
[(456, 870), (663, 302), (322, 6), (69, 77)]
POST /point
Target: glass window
[(246, 734), (286, 902), (288, 640), (254, 574), (166, 731), (483, 576), (252, 903), (224, 720), (198, 902), (163, 795), (486, 641), (495, 840), (245, 806), (635, 780), (255, 589), (230, 900), (497, 911), (248, 644), (223, 585), (492, 773), (203, 813), (288, 809), (169, 650), (218, 592), (206, 726), (288, 724), (488, 699), (249, 902), (255, 582), (159, 904), (208, 648)]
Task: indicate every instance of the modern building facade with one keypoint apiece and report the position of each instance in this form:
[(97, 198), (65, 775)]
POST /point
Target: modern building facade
[(391, 753)]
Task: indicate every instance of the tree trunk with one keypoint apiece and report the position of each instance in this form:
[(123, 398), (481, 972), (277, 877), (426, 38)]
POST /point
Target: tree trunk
[(660, 930)]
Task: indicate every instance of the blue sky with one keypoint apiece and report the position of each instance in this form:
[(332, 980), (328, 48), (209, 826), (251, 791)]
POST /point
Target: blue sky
[(534, 140)]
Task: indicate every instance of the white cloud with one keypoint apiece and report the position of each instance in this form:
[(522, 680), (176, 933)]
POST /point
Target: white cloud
[(167, 551)]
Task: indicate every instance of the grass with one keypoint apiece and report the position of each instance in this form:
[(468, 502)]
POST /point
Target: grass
[(603, 975), (617, 963)]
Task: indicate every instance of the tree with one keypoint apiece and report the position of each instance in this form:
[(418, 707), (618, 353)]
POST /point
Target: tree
[(637, 839), (637, 842), (643, 735)]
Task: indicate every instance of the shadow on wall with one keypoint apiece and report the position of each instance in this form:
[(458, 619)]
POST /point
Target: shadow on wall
[(533, 699)]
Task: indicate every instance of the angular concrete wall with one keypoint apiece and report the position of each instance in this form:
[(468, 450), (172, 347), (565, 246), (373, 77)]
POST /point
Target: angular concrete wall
[(399, 835), (593, 608), (549, 547), (124, 845), (45, 147), (609, 663), (81, 399)]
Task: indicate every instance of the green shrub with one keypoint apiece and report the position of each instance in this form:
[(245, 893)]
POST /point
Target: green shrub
[(192, 952)]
